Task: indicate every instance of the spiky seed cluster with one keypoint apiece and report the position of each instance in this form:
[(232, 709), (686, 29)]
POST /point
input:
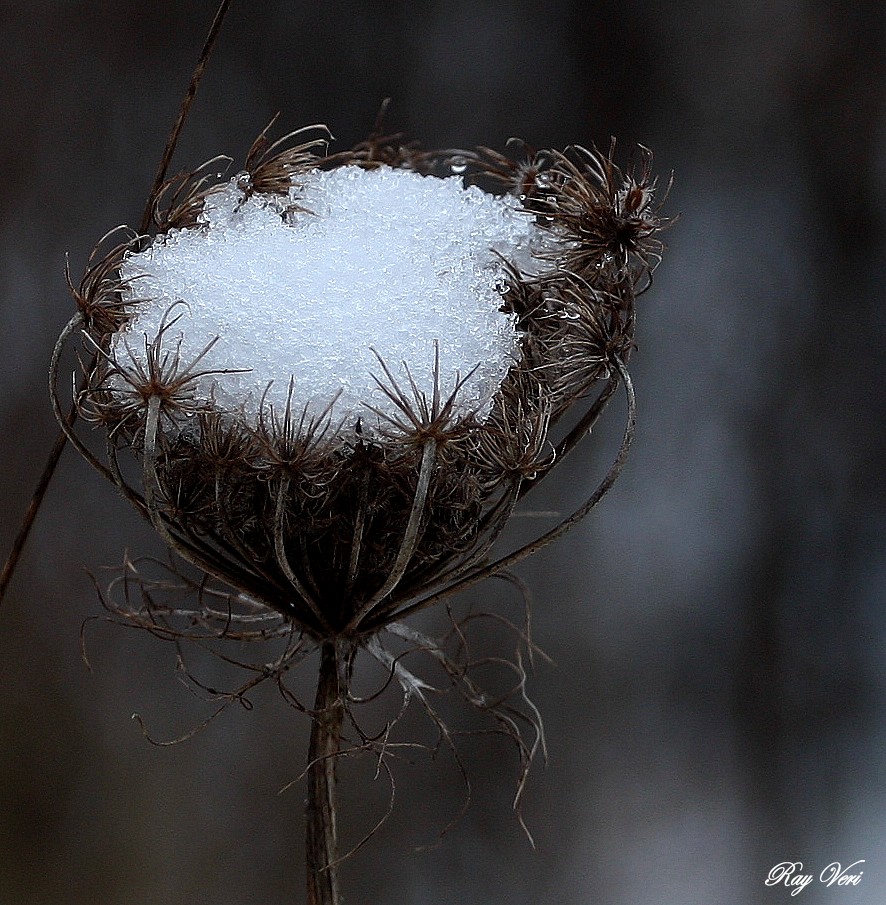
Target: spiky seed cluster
[(343, 534)]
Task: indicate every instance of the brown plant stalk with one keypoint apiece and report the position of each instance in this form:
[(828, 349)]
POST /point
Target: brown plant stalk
[(313, 537), (321, 836), (61, 440)]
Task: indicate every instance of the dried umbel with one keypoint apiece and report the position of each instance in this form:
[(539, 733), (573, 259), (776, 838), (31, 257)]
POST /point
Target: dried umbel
[(338, 527), (342, 525)]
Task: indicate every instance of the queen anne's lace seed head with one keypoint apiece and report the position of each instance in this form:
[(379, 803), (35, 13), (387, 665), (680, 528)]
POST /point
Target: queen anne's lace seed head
[(339, 373)]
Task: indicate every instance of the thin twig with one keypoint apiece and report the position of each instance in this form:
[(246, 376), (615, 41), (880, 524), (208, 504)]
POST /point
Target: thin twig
[(36, 500), (61, 440), (190, 94)]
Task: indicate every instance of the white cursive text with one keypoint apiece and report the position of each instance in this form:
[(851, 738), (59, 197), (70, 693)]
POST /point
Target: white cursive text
[(790, 875), (835, 875)]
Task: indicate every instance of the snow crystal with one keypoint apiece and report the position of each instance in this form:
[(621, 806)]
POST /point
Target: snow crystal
[(312, 291)]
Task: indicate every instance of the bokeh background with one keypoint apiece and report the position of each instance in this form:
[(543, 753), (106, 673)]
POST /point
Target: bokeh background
[(717, 698)]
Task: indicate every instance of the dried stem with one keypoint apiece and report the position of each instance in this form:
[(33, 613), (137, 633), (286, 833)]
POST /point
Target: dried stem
[(511, 559), (283, 560), (190, 94), (410, 537), (58, 448), (321, 841), (61, 440), (36, 500)]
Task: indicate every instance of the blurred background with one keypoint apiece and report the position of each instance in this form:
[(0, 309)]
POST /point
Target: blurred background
[(716, 702)]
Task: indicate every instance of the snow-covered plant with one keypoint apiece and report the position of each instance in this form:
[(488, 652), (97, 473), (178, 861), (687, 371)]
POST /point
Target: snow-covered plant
[(339, 374), (329, 381)]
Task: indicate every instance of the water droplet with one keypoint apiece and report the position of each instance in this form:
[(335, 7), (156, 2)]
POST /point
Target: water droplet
[(458, 164)]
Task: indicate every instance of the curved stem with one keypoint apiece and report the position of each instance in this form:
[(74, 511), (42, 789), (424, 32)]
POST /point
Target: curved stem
[(579, 432), (321, 838), (491, 526), (189, 549), (505, 562), (285, 565), (410, 535), (66, 422)]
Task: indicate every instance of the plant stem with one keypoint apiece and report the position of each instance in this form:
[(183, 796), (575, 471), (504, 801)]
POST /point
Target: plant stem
[(62, 439), (31, 514), (190, 94), (321, 843)]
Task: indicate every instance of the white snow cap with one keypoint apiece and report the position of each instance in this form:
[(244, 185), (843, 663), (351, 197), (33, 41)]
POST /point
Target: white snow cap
[(372, 264)]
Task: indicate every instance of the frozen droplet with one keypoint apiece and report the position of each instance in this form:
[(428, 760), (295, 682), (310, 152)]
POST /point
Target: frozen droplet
[(458, 164)]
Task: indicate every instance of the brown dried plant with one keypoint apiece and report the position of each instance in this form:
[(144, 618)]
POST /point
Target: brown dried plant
[(312, 539), (328, 539)]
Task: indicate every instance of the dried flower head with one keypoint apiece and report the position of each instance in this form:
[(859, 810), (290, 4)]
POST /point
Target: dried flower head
[(344, 522), (357, 481)]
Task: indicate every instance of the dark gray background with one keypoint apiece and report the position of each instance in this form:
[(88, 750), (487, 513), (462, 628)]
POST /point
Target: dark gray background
[(717, 702)]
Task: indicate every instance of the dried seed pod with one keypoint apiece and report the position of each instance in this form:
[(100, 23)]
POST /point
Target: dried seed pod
[(345, 523)]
